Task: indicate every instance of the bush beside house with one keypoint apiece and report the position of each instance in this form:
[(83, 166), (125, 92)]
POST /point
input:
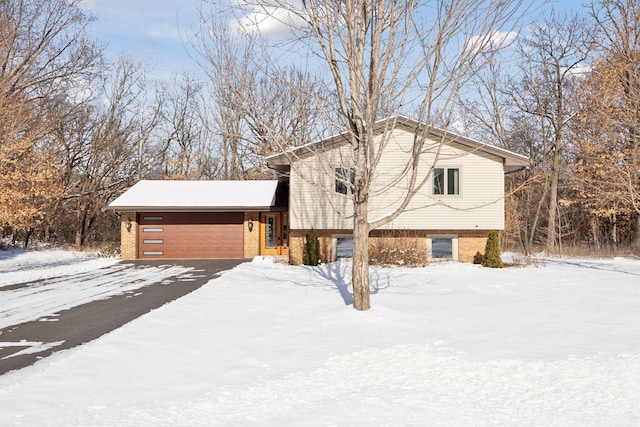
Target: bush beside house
[(311, 252), (491, 256)]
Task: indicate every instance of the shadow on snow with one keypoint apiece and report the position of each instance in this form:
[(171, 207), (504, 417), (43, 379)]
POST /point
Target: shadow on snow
[(339, 273)]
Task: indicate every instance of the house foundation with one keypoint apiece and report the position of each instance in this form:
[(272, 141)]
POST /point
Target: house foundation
[(411, 245)]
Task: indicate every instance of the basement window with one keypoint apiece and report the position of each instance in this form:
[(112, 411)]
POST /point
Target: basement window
[(443, 248), (344, 247)]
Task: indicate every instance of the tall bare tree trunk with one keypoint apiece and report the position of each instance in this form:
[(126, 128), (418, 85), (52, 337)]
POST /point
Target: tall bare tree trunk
[(81, 221), (553, 196), (360, 272)]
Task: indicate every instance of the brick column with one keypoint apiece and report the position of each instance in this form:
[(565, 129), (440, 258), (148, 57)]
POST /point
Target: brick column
[(128, 237), (251, 238)]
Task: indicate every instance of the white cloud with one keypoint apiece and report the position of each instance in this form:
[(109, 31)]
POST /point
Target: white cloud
[(580, 70), (88, 4), (495, 40), (273, 20)]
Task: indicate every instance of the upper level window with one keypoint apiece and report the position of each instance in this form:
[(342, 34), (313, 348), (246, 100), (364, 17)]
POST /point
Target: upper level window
[(446, 181), (344, 180)]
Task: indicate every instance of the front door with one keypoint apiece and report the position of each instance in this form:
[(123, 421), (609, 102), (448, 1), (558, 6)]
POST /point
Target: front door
[(274, 233)]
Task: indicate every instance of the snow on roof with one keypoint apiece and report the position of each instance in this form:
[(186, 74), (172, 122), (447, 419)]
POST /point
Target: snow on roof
[(197, 195)]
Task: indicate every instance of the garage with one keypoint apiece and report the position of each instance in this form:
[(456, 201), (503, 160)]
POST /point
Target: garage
[(202, 219), (190, 235)]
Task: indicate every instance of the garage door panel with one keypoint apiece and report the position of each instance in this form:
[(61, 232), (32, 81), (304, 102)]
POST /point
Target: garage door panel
[(191, 235), (187, 219)]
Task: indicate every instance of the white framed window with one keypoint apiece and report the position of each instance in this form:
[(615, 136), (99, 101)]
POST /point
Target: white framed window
[(345, 178), (446, 181), (342, 246), (442, 247)]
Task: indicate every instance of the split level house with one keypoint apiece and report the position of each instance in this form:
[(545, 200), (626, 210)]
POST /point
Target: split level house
[(448, 218)]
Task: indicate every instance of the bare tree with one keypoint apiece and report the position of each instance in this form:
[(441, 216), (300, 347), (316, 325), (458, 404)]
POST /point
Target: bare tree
[(106, 146), (46, 58), (618, 22), (254, 110), (553, 55), (187, 152), (282, 110), (384, 58), (227, 58), (45, 47)]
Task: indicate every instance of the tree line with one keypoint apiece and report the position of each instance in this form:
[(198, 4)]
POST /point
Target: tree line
[(77, 129), (573, 106)]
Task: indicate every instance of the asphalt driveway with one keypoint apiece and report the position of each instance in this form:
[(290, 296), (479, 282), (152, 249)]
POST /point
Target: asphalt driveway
[(20, 344)]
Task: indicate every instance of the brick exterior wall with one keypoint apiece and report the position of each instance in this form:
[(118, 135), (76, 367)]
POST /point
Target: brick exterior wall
[(469, 242), (297, 239), (128, 238), (251, 238), (412, 242), (296, 246)]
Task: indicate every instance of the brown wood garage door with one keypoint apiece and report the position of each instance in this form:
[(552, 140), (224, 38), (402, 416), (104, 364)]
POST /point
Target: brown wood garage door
[(190, 235)]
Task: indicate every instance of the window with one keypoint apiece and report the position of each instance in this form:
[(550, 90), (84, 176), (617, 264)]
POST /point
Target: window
[(270, 233), (442, 248), (446, 179), (344, 247), (344, 180), (285, 230)]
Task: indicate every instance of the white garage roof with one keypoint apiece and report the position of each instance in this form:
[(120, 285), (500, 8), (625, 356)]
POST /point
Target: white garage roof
[(150, 195)]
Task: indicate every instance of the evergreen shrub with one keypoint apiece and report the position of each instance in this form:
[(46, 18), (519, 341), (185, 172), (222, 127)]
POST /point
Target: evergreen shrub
[(311, 252), (491, 257)]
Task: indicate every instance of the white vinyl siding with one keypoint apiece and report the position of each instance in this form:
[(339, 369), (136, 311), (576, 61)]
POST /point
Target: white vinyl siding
[(479, 204)]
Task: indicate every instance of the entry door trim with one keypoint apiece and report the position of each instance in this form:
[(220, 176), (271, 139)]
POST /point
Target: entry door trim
[(273, 228)]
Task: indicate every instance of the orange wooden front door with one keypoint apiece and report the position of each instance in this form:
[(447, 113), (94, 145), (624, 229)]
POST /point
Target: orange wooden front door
[(274, 233)]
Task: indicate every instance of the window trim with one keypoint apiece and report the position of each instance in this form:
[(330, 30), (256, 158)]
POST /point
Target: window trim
[(340, 177), (334, 244), (454, 247), (445, 180)]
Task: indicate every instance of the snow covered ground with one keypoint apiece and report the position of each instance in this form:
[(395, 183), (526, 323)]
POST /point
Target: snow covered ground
[(446, 345)]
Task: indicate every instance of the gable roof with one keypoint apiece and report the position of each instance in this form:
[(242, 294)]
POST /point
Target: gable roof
[(148, 195), (512, 161)]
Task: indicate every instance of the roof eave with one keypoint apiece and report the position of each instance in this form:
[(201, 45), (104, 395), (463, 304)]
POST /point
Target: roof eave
[(510, 158), (189, 208)]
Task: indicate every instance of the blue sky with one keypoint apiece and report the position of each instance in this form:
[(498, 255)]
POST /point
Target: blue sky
[(154, 30), (149, 30)]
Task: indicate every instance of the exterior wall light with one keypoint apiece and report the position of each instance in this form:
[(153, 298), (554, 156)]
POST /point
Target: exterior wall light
[(127, 224), (250, 225)]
